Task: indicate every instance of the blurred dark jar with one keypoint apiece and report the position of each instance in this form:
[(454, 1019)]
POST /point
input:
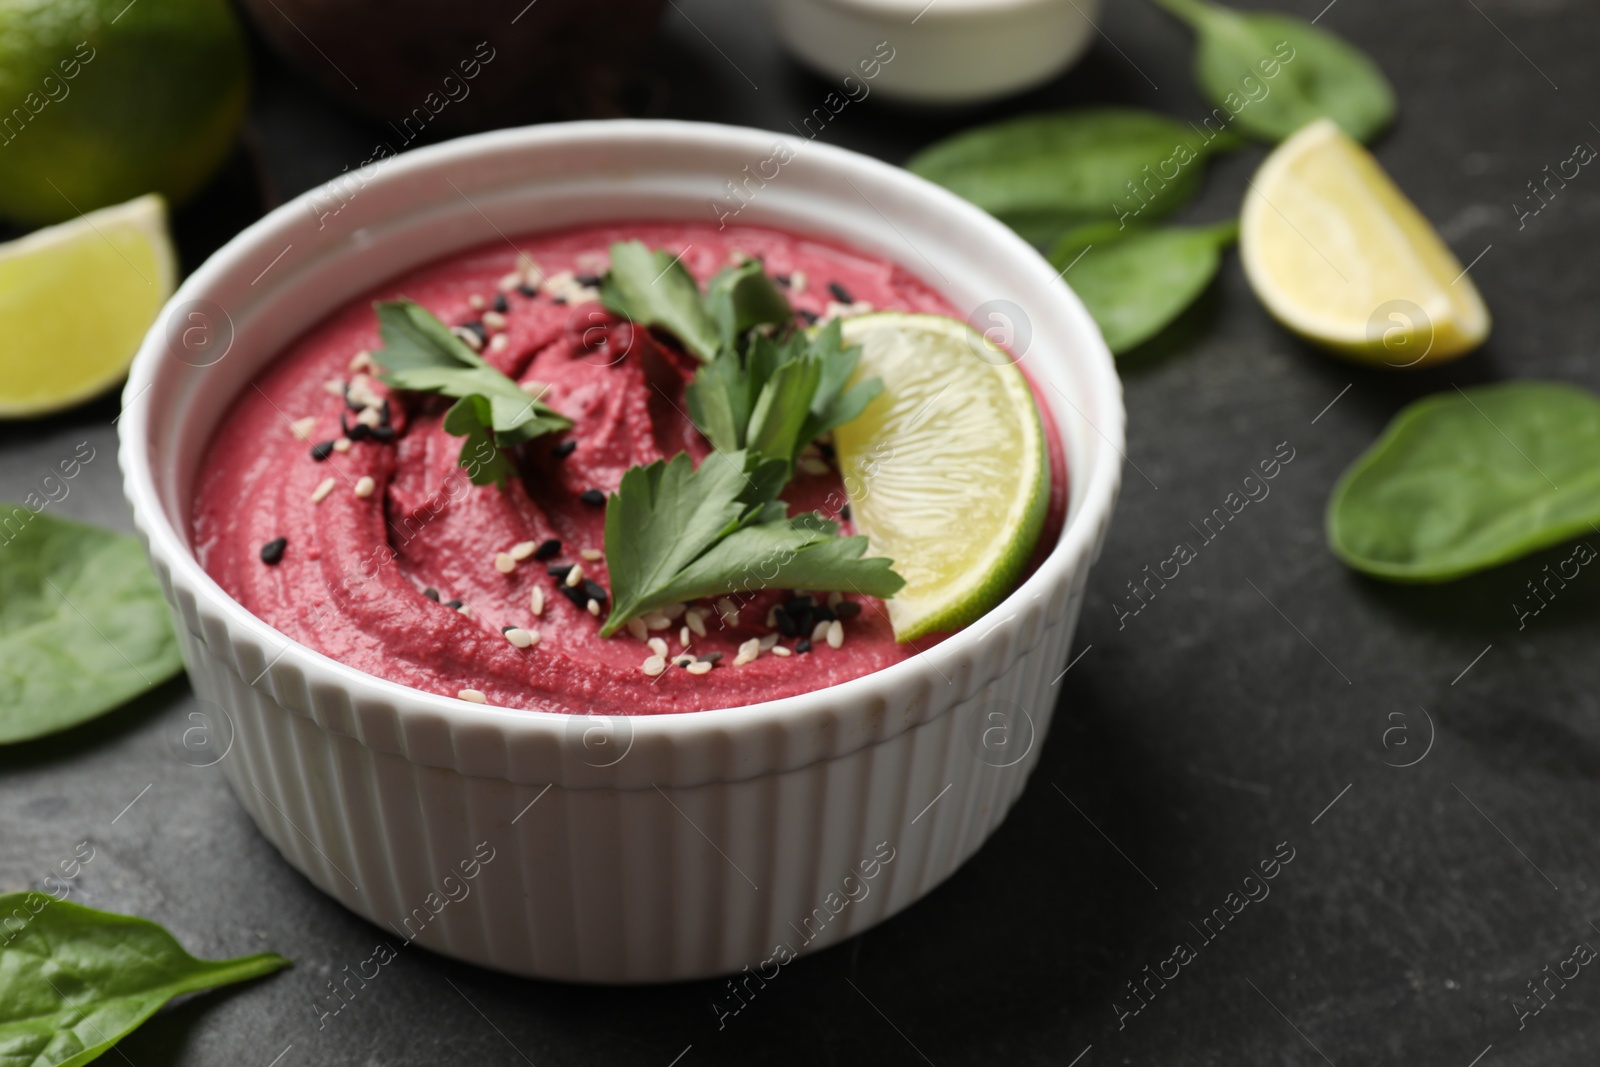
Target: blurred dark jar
[(454, 65)]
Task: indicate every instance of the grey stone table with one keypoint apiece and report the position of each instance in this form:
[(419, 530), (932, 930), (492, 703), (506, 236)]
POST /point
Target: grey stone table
[(1249, 709)]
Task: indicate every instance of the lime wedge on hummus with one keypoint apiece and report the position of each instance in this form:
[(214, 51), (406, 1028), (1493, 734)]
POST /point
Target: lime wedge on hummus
[(946, 470), (76, 300)]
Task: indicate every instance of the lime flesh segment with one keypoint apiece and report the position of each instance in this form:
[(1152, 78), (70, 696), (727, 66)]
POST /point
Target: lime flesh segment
[(946, 470), (76, 300)]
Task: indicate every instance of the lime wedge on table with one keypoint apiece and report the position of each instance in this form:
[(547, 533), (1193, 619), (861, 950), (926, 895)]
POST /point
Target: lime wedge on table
[(946, 470), (1338, 254), (76, 300)]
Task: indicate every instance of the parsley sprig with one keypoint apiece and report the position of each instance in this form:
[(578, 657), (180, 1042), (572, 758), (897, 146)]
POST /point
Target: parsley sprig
[(765, 390), (491, 411)]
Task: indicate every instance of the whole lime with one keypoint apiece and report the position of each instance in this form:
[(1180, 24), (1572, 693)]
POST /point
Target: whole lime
[(104, 100)]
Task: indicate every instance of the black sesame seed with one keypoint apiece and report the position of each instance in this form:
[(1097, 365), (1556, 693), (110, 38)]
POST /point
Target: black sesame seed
[(453, 604), (684, 663), (803, 645), (322, 451), (529, 291), (804, 621), (840, 293), (384, 414), (565, 448), (559, 300), (594, 590), (809, 316), (559, 570), (823, 613), (826, 449), (381, 433), (431, 593), (507, 629), (711, 657), (547, 549), (272, 551), (786, 625), (847, 609), (576, 594), (593, 497), (796, 606), (844, 512), (501, 304), (356, 432), (479, 329), (783, 280), (588, 281)]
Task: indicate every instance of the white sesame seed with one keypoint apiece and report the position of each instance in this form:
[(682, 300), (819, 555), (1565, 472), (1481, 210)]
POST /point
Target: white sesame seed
[(592, 554), (361, 361), (575, 576), (509, 282), (370, 417), (700, 666), (320, 493), (536, 600), (494, 320), (819, 631), (301, 428), (683, 636), (534, 387), (779, 650), (772, 616), (476, 302), (768, 641), (748, 652), (333, 387), (835, 634), (465, 609), (519, 637), (658, 646), (653, 666), (361, 392), (736, 256), (674, 612), (365, 486), (593, 608), (470, 337), (522, 550), (341, 444), (695, 620), (654, 620), (473, 696), (835, 599), (797, 281), (504, 562), (726, 607), (499, 343), (636, 628), (812, 466)]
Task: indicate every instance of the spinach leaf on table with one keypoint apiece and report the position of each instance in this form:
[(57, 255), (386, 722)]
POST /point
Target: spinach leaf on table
[(83, 626), (1317, 73), (1042, 174), (76, 980), (1465, 480), (1136, 280)]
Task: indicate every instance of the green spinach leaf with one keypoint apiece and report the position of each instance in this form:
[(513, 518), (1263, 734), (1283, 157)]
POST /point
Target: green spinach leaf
[(76, 979), (1042, 174), (1275, 73), (1465, 480), (83, 625), (1136, 280)]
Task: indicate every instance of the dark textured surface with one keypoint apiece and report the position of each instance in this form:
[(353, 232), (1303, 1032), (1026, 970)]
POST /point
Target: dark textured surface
[(1219, 722)]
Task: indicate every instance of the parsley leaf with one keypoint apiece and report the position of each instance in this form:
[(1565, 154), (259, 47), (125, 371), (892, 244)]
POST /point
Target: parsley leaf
[(656, 289), (492, 412), (675, 533), (779, 396)]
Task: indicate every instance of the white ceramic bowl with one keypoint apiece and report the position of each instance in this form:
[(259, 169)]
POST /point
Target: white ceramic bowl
[(938, 51), (627, 849)]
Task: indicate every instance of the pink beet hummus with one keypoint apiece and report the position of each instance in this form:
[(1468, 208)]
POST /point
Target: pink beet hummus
[(361, 562)]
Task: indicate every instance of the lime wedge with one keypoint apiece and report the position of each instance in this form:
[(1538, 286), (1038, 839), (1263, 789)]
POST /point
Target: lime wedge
[(76, 300), (1338, 254), (946, 470)]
